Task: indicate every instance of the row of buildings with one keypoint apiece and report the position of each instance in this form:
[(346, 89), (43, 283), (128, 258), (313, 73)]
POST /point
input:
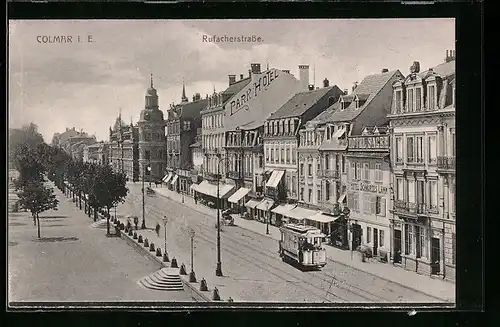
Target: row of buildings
[(282, 149)]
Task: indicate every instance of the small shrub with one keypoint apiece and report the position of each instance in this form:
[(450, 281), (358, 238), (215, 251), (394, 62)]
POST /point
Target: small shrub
[(135, 235), (158, 252), (152, 247), (140, 239), (146, 243)]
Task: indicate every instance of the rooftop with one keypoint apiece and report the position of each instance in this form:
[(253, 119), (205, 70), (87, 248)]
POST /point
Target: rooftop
[(190, 109), (367, 89), (300, 103)]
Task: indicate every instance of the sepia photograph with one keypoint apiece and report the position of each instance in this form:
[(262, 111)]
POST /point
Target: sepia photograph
[(205, 162)]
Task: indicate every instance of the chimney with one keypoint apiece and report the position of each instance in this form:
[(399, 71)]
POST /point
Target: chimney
[(286, 71), (326, 82), (346, 91), (241, 76), (450, 56), (232, 79), (255, 68), (304, 77), (415, 68), (385, 70)]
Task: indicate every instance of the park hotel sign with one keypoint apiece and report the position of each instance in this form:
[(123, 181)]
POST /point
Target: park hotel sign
[(368, 187)]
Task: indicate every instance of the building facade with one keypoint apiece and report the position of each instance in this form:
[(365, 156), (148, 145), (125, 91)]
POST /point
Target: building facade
[(368, 189), (281, 142), (183, 121), (422, 120), (96, 153), (151, 147), (123, 149)]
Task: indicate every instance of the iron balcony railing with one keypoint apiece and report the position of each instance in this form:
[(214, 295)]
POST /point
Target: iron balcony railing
[(414, 208), (328, 173), (446, 162), (233, 174)]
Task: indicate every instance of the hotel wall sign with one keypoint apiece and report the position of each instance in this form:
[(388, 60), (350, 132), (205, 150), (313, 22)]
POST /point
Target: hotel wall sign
[(365, 187), (254, 89)]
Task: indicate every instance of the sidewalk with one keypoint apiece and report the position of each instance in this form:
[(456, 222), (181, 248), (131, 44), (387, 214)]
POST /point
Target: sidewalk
[(435, 287)]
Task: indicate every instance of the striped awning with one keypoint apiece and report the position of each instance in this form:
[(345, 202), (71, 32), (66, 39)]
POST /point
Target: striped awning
[(275, 178), (282, 209), (167, 178), (174, 180), (252, 203), (300, 213), (322, 218), (265, 204), (238, 195)]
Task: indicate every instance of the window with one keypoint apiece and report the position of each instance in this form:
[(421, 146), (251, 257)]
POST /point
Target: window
[(398, 102), (381, 238), (287, 127), (358, 170), (409, 149), (366, 172), (453, 148), (356, 202), (408, 239), (399, 149), (368, 234), (400, 189), (272, 155), (267, 155), (343, 164), (294, 156), (418, 98), (302, 194), (420, 149), (327, 190), (367, 203), (379, 206), (319, 196), (287, 155), (309, 169), (378, 172), (409, 100), (327, 162), (261, 163), (310, 194), (432, 149), (431, 97), (421, 241), (411, 191), (301, 169), (147, 155), (318, 166), (452, 196), (294, 183), (420, 193)]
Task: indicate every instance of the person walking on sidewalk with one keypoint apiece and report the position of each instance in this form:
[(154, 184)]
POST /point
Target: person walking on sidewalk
[(157, 229), (195, 199)]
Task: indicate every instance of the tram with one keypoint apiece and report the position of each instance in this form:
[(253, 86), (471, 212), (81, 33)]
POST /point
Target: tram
[(302, 245)]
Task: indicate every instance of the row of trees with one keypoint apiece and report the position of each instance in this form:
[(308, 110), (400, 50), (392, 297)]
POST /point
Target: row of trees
[(96, 185)]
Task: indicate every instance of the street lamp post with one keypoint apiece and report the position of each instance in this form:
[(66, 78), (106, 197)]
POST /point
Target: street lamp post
[(165, 221), (218, 270), (267, 216), (192, 276), (143, 225)]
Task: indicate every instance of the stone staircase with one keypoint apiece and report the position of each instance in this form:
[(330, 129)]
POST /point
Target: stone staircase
[(100, 224), (166, 279)]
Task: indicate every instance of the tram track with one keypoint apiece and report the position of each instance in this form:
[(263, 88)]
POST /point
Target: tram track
[(320, 276), (244, 255)]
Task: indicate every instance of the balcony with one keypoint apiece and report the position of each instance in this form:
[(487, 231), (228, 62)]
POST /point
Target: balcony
[(212, 177), (447, 163), (330, 174), (414, 208)]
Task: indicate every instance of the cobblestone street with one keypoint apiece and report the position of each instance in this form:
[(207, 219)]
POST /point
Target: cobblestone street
[(74, 262)]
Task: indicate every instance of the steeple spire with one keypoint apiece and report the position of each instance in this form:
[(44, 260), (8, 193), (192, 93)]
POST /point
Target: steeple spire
[(184, 98), (151, 80)]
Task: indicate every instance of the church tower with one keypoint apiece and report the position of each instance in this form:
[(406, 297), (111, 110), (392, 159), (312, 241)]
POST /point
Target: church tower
[(151, 138), (184, 98)]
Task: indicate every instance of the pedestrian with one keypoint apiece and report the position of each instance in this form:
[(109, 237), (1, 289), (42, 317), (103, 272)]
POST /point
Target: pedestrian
[(195, 199), (157, 229)]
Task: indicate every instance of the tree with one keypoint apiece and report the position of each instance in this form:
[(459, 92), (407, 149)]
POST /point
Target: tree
[(29, 166), (109, 189), (37, 198), (26, 136)]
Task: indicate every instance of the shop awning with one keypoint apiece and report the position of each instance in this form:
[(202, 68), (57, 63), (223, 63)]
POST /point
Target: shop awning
[(300, 213), (238, 195), (322, 218), (252, 203), (211, 189), (167, 178), (342, 197), (265, 204), (282, 209), (205, 188), (176, 177), (275, 178), (224, 190)]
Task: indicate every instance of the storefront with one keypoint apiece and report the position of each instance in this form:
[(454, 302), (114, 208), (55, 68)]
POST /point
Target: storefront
[(298, 215), (185, 180), (207, 193), (278, 213), (323, 222), (264, 210), (237, 200), (250, 205)]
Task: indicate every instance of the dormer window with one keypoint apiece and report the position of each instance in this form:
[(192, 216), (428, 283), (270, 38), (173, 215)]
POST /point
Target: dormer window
[(287, 126), (266, 128), (418, 98), (410, 99), (398, 101), (431, 97)]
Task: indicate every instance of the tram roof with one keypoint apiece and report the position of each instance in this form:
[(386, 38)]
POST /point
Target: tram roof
[(308, 231)]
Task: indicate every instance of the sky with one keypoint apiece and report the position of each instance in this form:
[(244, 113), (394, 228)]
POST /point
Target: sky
[(86, 84)]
